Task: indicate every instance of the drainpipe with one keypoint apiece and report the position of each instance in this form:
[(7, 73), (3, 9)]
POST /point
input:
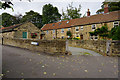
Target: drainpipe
[(56, 33)]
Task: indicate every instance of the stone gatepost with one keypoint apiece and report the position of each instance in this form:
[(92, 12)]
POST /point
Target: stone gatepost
[(108, 47)]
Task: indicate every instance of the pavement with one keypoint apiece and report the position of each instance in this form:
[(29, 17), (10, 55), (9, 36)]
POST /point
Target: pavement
[(81, 51), (22, 63)]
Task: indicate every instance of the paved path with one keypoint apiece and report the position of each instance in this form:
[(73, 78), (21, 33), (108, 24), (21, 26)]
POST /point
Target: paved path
[(21, 63), (81, 51)]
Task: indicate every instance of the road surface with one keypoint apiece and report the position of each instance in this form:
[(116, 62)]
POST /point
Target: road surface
[(81, 51), (21, 63)]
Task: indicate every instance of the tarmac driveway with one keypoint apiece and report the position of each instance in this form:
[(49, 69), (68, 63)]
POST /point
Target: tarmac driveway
[(21, 63), (81, 51)]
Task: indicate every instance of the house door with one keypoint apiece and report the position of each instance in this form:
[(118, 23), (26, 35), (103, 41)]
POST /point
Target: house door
[(25, 35), (41, 36), (81, 37)]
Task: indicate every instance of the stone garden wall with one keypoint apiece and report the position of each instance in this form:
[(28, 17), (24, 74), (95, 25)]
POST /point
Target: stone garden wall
[(104, 47), (47, 46)]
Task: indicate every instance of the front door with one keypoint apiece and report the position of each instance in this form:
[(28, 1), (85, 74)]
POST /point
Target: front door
[(81, 37), (41, 36), (25, 35)]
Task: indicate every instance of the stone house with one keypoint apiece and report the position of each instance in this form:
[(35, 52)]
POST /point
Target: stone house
[(81, 27), (21, 31)]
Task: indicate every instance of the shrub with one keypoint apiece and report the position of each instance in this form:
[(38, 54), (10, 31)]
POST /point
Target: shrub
[(33, 35), (115, 33)]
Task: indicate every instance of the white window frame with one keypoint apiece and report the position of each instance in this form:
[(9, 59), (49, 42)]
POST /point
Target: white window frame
[(77, 35), (76, 29), (115, 24), (67, 22), (81, 27), (53, 31), (62, 30), (91, 38), (95, 36), (47, 32), (92, 27), (69, 29)]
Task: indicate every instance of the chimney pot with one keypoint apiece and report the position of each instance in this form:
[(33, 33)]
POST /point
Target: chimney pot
[(88, 12)]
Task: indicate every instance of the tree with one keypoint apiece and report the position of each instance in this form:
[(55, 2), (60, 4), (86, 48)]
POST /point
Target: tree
[(102, 32), (113, 6), (8, 20), (50, 14), (115, 33), (33, 17), (18, 17), (7, 4), (71, 12)]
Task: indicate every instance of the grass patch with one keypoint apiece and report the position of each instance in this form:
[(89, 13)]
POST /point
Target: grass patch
[(86, 53)]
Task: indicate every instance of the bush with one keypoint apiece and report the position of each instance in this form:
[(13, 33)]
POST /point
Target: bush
[(115, 33), (77, 38)]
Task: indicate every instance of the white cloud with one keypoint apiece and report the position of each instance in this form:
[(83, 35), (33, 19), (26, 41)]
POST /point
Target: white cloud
[(60, 0), (22, 6)]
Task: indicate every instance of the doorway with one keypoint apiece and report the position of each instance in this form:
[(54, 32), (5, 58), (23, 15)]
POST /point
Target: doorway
[(81, 37)]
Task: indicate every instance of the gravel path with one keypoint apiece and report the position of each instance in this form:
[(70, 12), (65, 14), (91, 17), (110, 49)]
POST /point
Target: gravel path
[(81, 51)]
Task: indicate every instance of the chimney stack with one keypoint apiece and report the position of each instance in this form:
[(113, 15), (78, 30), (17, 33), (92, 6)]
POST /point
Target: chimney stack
[(88, 12), (106, 10)]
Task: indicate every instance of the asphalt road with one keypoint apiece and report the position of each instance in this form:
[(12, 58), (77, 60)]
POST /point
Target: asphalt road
[(21, 63)]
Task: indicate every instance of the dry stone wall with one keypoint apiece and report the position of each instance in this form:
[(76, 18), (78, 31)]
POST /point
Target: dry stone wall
[(47, 46), (105, 47)]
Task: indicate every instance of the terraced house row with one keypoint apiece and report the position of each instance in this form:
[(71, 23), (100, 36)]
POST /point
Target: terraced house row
[(81, 27)]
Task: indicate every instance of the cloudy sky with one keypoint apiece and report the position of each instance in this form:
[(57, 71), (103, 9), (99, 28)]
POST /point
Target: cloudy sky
[(20, 7)]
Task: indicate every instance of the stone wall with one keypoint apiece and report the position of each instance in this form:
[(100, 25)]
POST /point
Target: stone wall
[(18, 31), (104, 47), (47, 46), (115, 48), (85, 31)]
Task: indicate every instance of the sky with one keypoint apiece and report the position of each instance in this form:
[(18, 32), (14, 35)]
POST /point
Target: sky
[(20, 7)]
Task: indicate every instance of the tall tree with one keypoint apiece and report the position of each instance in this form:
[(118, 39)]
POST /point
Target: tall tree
[(33, 17), (71, 12), (113, 6), (18, 17), (50, 14), (8, 4), (8, 20)]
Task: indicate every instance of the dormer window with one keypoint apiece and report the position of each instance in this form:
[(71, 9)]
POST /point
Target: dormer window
[(67, 22), (59, 23), (53, 25), (115, 24)]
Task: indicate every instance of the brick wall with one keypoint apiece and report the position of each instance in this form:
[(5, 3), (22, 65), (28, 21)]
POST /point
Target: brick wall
[(104, 47), (48, 46)]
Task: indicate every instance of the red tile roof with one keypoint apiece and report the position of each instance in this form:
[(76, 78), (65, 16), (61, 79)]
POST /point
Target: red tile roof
[(10, 27), (100, 18), (4, 29)]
